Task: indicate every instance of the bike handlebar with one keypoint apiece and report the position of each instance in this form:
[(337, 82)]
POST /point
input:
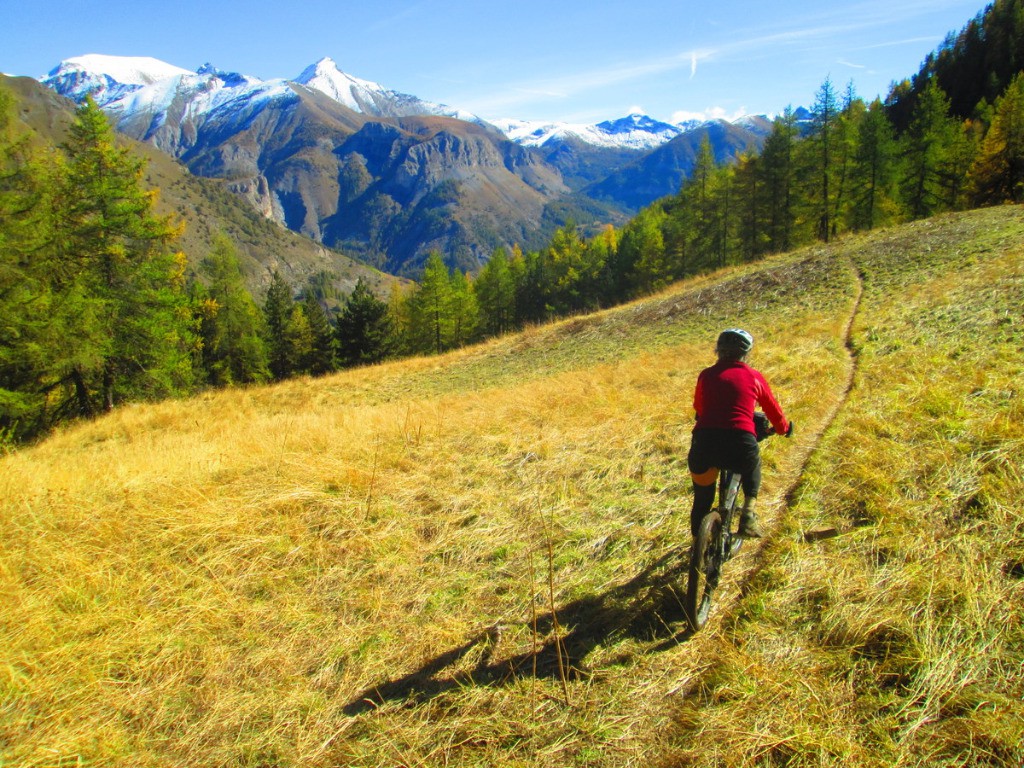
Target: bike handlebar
[(764, 428)]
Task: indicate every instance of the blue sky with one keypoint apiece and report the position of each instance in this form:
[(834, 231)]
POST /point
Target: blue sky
[(559, 60)]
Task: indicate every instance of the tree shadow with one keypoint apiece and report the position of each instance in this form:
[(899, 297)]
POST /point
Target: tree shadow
[(649, 607)]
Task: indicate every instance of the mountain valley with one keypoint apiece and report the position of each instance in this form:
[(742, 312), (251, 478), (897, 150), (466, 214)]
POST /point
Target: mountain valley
[(387, 177)]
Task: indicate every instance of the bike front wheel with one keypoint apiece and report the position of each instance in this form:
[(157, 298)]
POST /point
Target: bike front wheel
[(705, 565)]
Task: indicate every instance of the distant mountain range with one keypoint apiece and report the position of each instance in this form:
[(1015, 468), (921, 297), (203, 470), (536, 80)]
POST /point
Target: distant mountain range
[(386, 176)]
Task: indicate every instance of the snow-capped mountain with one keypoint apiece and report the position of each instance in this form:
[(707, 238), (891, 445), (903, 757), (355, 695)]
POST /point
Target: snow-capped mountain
[(370, 98), (354, 165), (148, 93), (108, 78), (633, 131), (125, 87)]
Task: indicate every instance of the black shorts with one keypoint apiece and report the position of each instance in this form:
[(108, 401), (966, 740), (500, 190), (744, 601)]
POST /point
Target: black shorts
[(732, 449)]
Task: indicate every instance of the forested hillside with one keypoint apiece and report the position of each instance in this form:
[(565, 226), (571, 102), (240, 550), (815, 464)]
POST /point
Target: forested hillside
[(850, 167), (100, 304)]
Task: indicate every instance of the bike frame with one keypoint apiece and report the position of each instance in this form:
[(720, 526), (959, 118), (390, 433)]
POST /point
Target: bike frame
[(728, 491), (714, 544)]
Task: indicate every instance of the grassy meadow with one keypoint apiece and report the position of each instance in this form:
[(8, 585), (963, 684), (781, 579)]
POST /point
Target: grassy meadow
[(476, 559)]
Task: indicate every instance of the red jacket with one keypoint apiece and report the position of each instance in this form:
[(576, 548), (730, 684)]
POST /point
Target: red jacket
[(727, 394)]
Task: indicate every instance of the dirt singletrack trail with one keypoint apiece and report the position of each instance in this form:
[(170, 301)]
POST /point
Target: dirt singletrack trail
[(752, 559)]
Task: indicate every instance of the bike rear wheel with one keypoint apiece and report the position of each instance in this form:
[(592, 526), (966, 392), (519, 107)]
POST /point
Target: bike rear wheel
[(705, 565)]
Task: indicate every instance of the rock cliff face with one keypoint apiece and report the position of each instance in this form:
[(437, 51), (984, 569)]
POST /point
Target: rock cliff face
[(385, 176), (386, 189)]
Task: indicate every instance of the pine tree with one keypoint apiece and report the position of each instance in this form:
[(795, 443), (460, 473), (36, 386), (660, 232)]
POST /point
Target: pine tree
[(365, 330), (277, 310), (323, 352)]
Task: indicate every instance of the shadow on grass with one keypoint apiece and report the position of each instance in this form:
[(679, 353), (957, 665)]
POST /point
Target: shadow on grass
[(647, 608)]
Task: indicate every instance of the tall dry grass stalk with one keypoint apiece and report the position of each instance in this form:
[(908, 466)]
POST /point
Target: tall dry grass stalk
[(475, 559)]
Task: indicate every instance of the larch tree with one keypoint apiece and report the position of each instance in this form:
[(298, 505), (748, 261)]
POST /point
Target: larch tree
[(997, 175), (496, 294), (24, 296), (117, 280), (234, 351)]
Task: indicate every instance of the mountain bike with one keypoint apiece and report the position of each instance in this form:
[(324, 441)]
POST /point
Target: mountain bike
[(717, 541)]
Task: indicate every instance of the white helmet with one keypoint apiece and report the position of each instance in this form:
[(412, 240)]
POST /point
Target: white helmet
[(735, 339)]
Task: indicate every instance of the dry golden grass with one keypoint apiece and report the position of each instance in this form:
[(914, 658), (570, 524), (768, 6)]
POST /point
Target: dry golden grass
[(474, 559)]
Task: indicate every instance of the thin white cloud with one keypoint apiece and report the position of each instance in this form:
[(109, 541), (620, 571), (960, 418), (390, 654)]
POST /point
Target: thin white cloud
[(573, 84), (821, 29)]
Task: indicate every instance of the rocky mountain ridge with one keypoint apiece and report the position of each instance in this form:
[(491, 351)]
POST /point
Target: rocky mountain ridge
[(385, 176)]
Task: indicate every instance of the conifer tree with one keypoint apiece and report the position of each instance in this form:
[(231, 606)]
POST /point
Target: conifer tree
[(113, 267), (323, 352), (748, 209), (297, 337), (699, 236), (850, 116), (366, 331), (873, 193), (277, 309), (532, 289), (778, 183), (997, 174), (465, 310), (431, 319), (496, 294), (825, 114), (604, 247), (928, 147), (569, 275), (24, 299), (234, 351), (642, 253)]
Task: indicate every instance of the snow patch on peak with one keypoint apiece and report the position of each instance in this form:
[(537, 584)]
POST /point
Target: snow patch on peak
[(127, 70), (326, 77), (634, 131), (369, 97)]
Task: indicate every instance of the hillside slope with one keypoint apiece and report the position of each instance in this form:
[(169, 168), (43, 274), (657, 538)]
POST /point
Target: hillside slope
[(474, 559), (207, 207)]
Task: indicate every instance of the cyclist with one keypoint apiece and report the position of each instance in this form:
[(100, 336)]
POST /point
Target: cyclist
[(725, 435)]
